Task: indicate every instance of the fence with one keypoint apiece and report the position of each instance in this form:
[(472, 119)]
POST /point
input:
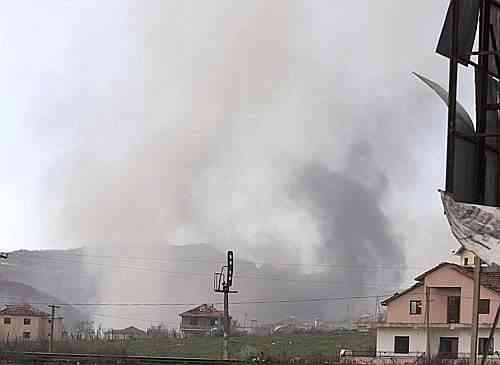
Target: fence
[(40, 358), (381, 358), (374, 353)]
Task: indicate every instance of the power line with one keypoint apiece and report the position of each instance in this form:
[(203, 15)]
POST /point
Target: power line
[(199, 274), (90, 276), (242, 302), (200, 260), (132, 318)]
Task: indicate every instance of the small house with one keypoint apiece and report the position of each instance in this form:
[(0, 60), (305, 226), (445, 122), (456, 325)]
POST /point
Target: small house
[(24, 322), (128, 333), (202, 320), (435, 314)]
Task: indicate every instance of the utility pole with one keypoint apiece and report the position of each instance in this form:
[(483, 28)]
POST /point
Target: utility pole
[(427, 324), (53, 316), (227, 324), (223, 281), (491, 336), (475, 310)]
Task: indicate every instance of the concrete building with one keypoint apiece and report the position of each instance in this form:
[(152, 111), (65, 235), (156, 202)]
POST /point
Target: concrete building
[(449, 287), (202, 320), (23, 322)]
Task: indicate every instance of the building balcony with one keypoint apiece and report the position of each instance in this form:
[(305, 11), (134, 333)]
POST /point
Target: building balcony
[(450, 326)]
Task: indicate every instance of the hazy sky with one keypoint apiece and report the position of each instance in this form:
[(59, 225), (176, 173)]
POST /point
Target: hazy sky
[(180, 121)]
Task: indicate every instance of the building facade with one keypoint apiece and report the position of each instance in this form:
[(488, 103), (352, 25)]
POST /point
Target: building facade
[(128, 333), (445, 291), (23, 322), (202, 320)]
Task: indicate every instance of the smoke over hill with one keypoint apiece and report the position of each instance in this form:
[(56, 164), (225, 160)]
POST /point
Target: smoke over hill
[(286, 131)]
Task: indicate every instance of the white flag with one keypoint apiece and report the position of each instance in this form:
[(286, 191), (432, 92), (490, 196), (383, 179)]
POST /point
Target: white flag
[(476, 227)]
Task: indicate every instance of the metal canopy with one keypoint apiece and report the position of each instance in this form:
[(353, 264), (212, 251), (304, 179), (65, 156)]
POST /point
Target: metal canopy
[(464, 173), (469, 13), (472, 170)]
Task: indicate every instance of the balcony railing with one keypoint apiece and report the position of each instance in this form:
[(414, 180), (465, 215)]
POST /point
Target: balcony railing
[(349, 353), (466, 355)]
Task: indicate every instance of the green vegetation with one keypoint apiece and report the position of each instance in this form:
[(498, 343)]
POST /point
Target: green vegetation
[(325, 347)]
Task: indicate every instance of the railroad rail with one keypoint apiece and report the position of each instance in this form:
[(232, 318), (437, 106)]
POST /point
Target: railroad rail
[(40, 358)]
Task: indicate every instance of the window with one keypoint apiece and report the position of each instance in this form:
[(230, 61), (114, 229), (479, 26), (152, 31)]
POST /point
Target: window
[(482, 346), (466, 261), (193, 321), (6, 320), (415, 307), (27, 321), (26, 335), (484, 306), (401, 344), (448, 347), (453, 310)]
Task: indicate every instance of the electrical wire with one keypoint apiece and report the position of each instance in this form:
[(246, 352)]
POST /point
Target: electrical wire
[(182, 274), (241, 302), (241, 262)]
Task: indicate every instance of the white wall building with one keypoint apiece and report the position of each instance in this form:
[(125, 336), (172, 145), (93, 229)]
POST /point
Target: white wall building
[(450, 288)]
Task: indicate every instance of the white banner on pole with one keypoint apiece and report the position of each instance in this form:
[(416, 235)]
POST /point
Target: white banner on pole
[(476, 227)]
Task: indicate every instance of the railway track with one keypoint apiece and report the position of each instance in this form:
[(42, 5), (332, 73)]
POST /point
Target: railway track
[(40, 358)]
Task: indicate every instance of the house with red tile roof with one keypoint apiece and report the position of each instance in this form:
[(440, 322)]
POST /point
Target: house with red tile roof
[(24, 322), (437, 310), (202, 320)]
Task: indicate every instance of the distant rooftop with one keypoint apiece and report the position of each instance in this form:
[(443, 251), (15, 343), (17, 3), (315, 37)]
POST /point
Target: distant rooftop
[(132, 331), (489, 278), (22, 310), (203, 310)]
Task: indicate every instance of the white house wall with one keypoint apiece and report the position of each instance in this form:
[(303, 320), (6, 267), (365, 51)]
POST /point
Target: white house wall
[(385, 338)]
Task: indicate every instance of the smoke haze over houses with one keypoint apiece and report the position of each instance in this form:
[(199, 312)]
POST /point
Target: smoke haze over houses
[(289, 131)]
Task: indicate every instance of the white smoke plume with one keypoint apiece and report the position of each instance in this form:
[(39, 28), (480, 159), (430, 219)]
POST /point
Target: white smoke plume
[(249, 126)]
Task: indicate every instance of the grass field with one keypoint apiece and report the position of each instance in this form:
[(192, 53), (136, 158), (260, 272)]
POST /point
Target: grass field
[(276, 347)]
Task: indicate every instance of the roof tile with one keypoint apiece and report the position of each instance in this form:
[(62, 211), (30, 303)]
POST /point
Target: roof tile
[(22, 310)]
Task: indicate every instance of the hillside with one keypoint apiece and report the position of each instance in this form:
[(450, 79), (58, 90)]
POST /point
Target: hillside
[(183, 274), (13, 292)]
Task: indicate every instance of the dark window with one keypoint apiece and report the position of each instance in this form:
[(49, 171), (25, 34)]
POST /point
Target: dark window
[(453, 311), (27, 321), (193, 321), (415, 307), (482, 346), (484, 306), (448, 347), (401, 344), (26, 335), (466, 261), (6, 320)]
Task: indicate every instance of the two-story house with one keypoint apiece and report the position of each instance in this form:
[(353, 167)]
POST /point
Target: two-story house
[(437, 312), (202, 320), (23, 322)]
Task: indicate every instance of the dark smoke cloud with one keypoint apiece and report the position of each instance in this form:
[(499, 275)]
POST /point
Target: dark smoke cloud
[(287, 130), (353, 227)]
